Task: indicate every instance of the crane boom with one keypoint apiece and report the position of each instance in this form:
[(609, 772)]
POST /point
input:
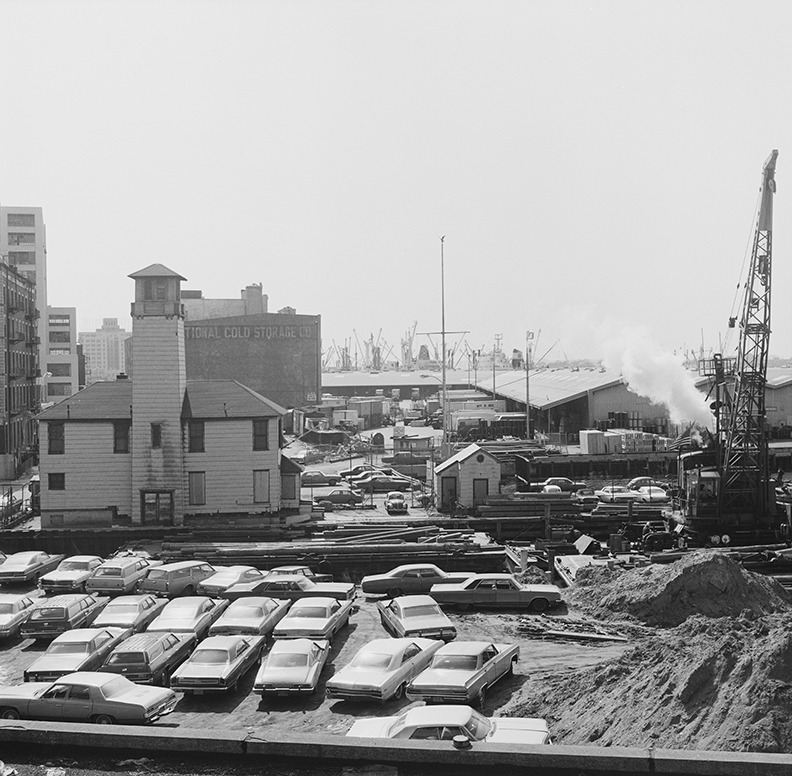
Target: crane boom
[(745, 490)]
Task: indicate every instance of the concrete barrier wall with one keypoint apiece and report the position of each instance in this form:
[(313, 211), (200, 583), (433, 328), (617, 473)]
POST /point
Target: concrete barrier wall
[(530, 760)]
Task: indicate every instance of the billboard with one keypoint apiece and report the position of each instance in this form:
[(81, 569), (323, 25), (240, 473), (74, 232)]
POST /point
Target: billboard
[(278, 355)]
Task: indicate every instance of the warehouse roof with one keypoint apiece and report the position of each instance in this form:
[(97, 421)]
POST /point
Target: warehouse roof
[(350, 380), (204, 399)]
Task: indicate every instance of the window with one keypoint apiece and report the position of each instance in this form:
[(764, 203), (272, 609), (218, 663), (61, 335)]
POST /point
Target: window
[(56, 443), (60, 351), (156, 435), (195, 429), (59, 370), (121, 436), (21, 257), (21, 219), (59, 336), (154, 290), (20, 238), (197, 482), (261, 434), (59, 320), (261, 488), (56, 481)]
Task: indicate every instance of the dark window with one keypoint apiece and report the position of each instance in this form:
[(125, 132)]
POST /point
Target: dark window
[(59, 370), (21, 219), (261, 434), (21, 257), (56, 438), (59, 336), (121, 436), (56, 481), (196, 436), (156, 435)]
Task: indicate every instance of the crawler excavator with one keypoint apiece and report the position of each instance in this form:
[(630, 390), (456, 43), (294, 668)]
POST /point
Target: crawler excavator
[(726, 496)]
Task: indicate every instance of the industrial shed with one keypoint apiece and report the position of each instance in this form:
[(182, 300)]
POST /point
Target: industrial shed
[(467, 478)]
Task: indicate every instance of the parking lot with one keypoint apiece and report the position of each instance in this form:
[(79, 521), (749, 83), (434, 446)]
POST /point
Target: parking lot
[(245, 711)]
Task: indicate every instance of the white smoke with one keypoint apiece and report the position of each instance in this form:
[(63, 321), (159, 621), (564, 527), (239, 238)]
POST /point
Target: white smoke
[(657, 374)]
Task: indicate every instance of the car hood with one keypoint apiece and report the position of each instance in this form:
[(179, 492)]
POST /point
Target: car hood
[(67, 663), (64, 576), (370, 728), (21, 691), (283, 676), (444, 676), (5, 619)]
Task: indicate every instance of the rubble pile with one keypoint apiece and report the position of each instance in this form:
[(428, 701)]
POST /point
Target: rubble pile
[(705, 583), (714, 684), (715, 673)]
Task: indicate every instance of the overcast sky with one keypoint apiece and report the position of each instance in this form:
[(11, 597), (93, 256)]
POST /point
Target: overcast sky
[(594, 166)]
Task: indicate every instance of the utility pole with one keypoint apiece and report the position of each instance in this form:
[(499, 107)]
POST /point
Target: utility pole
[(528, 344), (443, 345)]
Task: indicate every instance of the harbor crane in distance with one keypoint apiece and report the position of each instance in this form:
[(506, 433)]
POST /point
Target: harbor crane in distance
[(726, 493)]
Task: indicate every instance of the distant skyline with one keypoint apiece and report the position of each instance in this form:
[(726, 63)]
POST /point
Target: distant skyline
[(594, 167)]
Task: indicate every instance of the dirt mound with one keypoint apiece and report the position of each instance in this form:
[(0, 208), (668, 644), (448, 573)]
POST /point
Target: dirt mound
[(717, 684), (702, 583)]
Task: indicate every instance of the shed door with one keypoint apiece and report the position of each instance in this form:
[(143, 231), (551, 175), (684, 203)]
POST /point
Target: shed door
[(480, 491), (448, 493)]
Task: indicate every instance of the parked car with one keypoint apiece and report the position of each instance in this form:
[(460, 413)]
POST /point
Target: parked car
[(316, 478), (613, 494), (382, 669), (252, 616), (71, 574), (119, 576), (564, 483), (217, 664), (292, 667), (190, 614), (52, 616), (222, 579), (586, 498), (14, 611), (299, 571), (361, 468), (462, 672), (376, 482), (87, 696), (150, 658), (416, 615), (410, 578), (342, 495), (130, 611), (444, 723), (314, 618), (27, 566), (292, 588), (82, 649), (395, 503), (500, 590), (636, 483), (653, 495), (175, 579)]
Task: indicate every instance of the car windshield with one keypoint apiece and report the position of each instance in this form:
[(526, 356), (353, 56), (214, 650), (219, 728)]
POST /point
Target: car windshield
[(458, 662), (209, 657), (116, 609), (111, 572), (181, 608), (295, 660), (424, 610), (247, 611), (117, 687), (122, 658), (6, 608), (68, 648), (73, 565), (371, 660), (308, 611), (478, 726), (48, 613)]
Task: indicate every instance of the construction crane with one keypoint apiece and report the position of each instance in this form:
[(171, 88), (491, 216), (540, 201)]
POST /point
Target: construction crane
[(726, 493)]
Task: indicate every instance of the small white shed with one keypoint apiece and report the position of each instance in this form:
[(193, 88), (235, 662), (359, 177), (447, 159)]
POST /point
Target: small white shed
[(467, 478)]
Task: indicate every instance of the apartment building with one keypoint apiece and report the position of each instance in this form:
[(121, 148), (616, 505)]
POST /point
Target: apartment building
[(62, 365), (104, 351)]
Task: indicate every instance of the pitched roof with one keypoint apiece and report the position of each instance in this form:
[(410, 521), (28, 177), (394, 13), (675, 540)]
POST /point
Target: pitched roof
[(463, 455), (156, 271), (203, 399)]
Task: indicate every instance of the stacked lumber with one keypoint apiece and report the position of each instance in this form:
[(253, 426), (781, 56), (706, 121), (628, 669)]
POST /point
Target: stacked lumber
[(527, 506)]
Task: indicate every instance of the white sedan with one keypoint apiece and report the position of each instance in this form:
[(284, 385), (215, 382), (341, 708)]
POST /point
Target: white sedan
[(616, 494), (292, 667), (444, 723), (382, 669), (191, 614), (314, 618), (416, 615), (653, 495), (255, 616), (14, 610), (223, 578)]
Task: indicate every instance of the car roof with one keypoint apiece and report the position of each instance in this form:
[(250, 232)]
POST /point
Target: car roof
[(63, 600), (463, 647), (177, 603), (93, 678), (124, 561), (181, 564), (82, 557), (385, 646), (23, 555), (131, 599), (140, 641), (314, 601), (413, 566), (438, 715), (494, 575), (79, 634), (222, 642), (413, 600), (296, 645), (292, 566), (252, 600)]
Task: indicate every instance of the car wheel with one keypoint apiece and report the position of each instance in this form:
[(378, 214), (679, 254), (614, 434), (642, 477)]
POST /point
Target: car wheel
[(10, 713), (399, 694), (539, 605), (189, 590), (481, 697), (395, 592), (103, 719)]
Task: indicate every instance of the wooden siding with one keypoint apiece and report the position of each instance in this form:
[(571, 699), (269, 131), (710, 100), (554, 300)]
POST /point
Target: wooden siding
[(96, 477), (229, 462), (467, 471)]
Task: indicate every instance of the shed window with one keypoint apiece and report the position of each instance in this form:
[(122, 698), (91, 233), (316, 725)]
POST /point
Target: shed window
[(56, 481), (156, 435), (56, 444), (261, 434), (195, 430), (121, 436)]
